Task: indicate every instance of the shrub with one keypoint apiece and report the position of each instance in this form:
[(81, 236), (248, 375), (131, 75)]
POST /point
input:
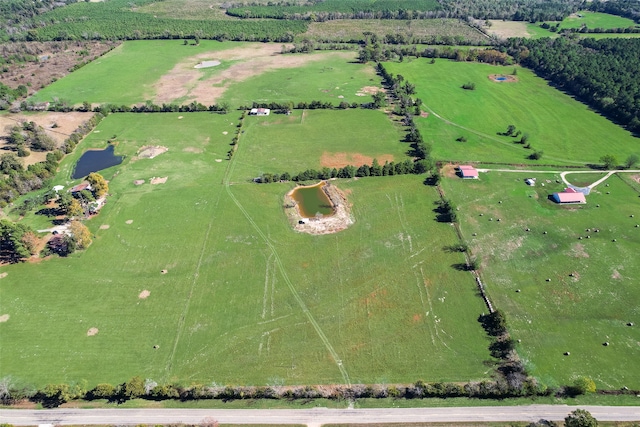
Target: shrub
[(469, 86)]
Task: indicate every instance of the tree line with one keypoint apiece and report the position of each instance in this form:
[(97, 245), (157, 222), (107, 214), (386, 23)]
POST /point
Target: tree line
[(601, 73)]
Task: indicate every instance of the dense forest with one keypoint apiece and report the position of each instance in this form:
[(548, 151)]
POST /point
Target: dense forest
[(115, 20), (529, 10), (342, 9), (16, 15), (602, 73)]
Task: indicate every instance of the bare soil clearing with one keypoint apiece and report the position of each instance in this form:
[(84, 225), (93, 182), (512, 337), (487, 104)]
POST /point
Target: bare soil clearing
[(339, 160), (144, 294), (54, 60), (3, 274), (65, 124), (138, 182), (104, 227), (129, 221), (183, 81), (506, 29), (92, 331), (339, 221), (4, 318), (369, 90), (151, 151), (158, 180)]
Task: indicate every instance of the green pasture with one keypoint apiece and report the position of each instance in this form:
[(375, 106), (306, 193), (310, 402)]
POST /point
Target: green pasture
[(567, 131), (328, 77), (127, 74), (294, 143), (596, 20), (241, 288), (577, 287)]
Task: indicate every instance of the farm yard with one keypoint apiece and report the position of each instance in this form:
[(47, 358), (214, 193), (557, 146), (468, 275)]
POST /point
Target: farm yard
[(569, 283), (228, 298), (197, 273), (554, 122)]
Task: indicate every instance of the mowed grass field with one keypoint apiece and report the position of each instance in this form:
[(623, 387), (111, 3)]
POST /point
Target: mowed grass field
[(335, 78), (245, 300), (596, 20), (315, 139), (127, 74), (592, 293), (564, 129)]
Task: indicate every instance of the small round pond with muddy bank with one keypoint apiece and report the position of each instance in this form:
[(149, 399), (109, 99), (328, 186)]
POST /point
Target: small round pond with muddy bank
[(318, 209)]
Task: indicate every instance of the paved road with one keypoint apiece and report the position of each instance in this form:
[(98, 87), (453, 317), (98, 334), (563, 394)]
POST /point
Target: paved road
[(311, 417)]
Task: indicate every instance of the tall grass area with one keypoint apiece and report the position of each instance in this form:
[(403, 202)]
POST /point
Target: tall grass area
[(382, 292), (127, 74), (565, 130), (569, 290), (328, 77)]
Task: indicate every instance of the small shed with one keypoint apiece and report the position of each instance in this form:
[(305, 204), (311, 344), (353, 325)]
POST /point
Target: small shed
[(57, 188), (569, 195), (468, 172), (259, 112), (530, 181)]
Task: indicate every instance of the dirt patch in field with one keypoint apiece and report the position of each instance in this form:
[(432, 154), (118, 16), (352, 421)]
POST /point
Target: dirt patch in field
[(339, 221), (505, 29), (144, 294), (4, 318), (91, 332), (184, 81), (158, 180), (616, 275), (56, 125), (503, 78), (3, 274), (138, 182), (577, 251), (369, 90), (104, 227), (192, 150), (340, 160), (151, 151), (636, 178)]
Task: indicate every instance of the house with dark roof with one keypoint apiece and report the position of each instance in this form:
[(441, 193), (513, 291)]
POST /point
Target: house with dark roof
[(569, 195)]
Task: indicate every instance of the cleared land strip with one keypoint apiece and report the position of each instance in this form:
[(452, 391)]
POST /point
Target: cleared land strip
[(285, 276), (316, 416)]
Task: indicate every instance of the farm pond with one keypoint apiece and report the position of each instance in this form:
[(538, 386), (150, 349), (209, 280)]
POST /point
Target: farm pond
[(312, 200), (96, 160)]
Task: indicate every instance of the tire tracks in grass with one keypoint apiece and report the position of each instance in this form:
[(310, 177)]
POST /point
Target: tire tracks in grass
[(285, 276), (492, 138)]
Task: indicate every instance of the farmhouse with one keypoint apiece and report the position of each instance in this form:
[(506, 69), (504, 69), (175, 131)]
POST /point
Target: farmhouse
[(80, 187), (569, 195), (468, 172), (259, 112)]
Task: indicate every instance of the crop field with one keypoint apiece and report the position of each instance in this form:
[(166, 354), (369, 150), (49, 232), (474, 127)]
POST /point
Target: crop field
[(163, 72), (323, 139), (240, 287), (569, 290), (353, 29), (554, 122)]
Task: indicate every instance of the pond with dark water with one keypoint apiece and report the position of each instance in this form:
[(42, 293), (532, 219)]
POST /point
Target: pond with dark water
[(96, 160), (312, 201)]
